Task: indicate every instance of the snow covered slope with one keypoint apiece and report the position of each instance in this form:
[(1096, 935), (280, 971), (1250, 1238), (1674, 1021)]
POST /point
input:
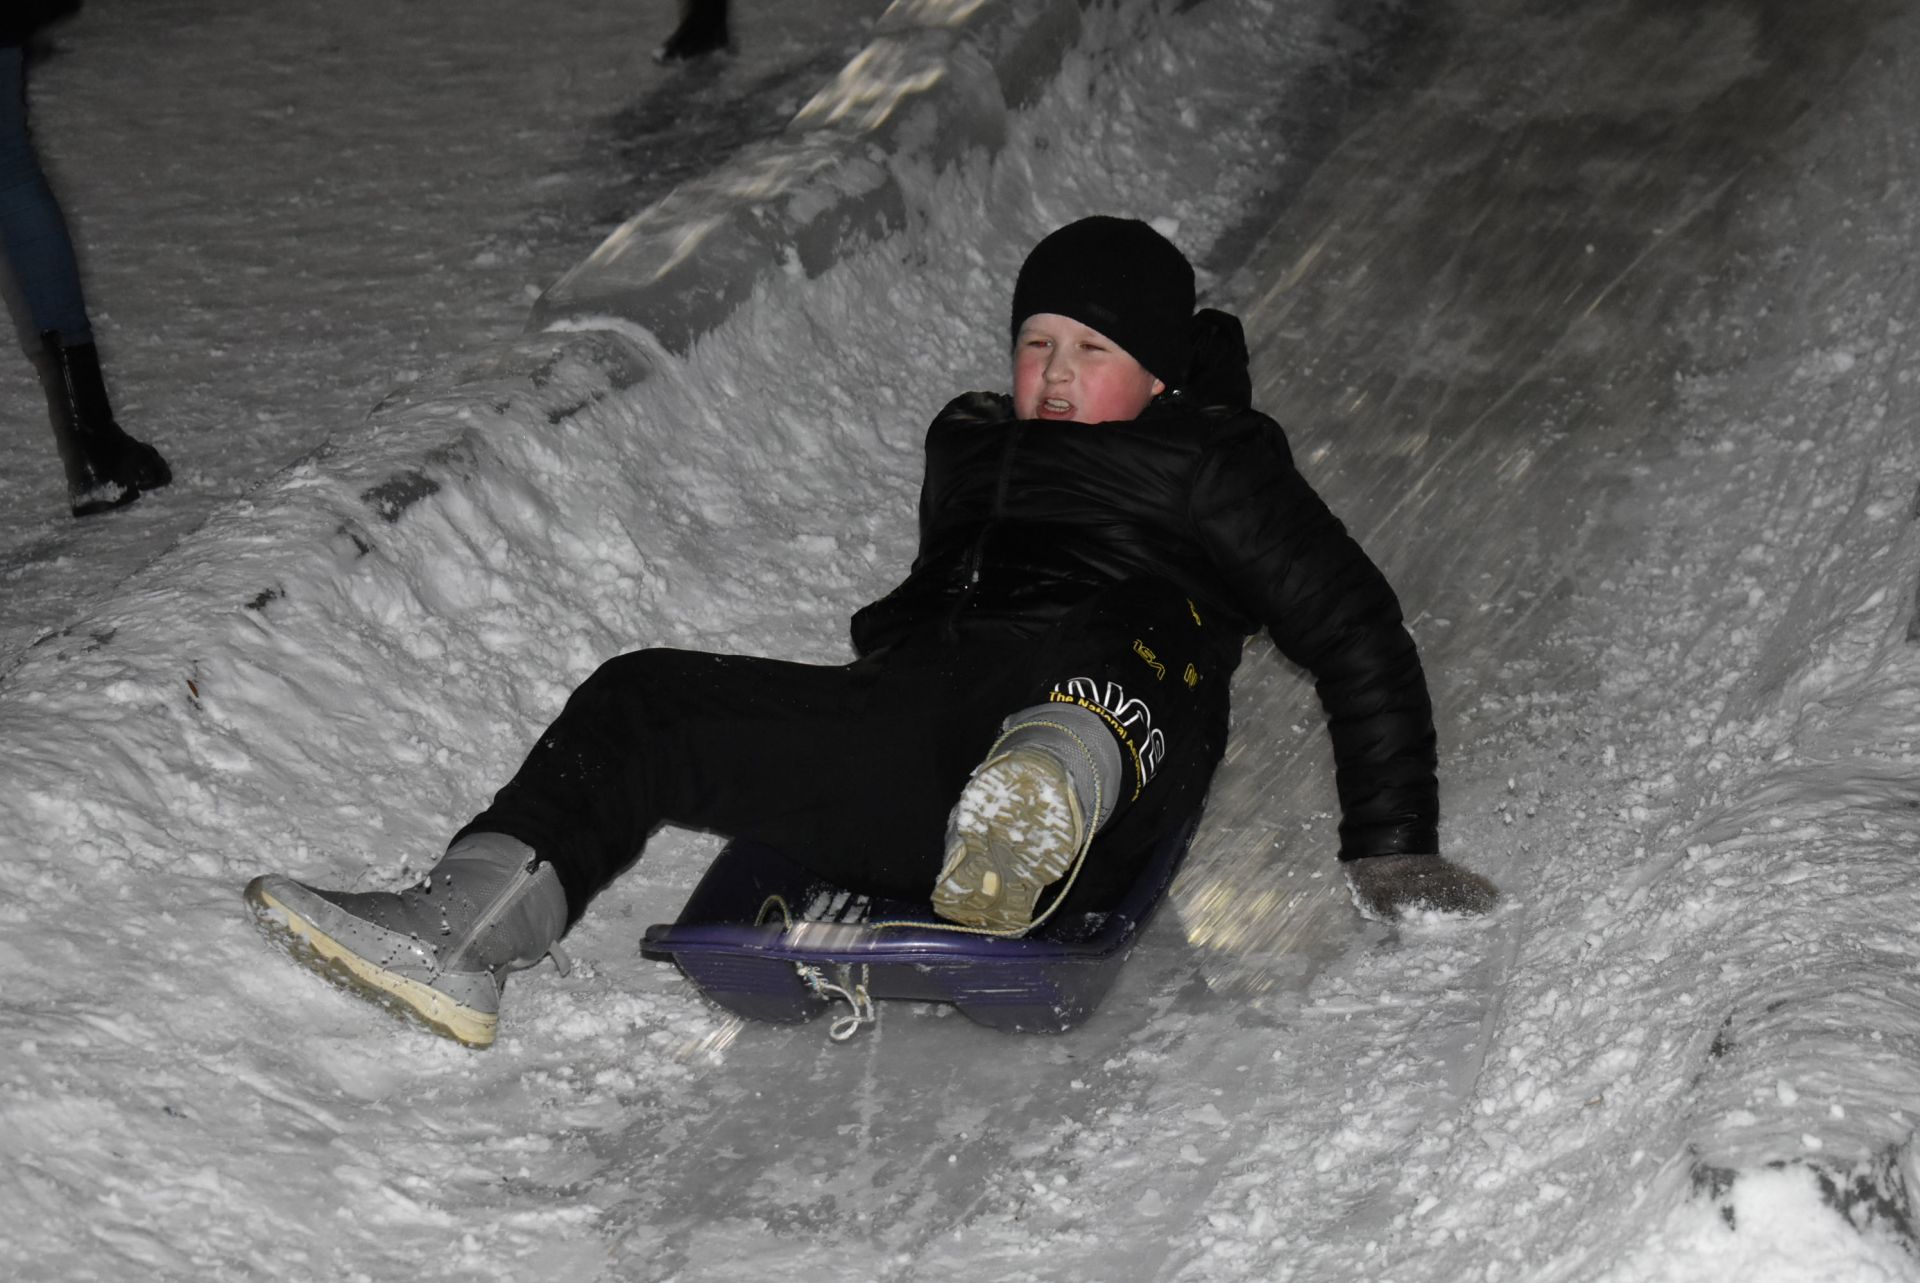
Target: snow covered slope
[(1594, 324)]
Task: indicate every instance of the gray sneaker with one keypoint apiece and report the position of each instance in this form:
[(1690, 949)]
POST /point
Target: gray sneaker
[(438, 952), (1016, 830)]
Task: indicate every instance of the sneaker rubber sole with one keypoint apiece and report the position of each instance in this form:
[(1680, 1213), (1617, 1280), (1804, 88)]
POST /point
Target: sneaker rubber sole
[(296, 936), (1015, 832)]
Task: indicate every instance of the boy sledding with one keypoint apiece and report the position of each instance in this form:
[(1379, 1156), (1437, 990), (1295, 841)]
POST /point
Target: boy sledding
[(1030, 712)]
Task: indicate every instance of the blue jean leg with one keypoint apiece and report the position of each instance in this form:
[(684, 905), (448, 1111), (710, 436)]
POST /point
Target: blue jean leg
[(39, 250)]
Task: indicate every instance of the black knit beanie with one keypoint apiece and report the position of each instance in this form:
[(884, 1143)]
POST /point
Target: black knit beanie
[(1122, 278)]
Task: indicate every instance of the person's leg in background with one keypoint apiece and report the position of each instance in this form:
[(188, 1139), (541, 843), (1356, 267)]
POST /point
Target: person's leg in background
[(702, 30), (105, 467)]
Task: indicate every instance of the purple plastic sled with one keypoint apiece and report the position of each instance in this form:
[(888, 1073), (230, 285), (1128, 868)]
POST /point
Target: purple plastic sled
[(767, 939)]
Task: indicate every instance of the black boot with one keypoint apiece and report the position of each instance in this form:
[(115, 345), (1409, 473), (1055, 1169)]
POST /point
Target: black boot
[(702, 30), (106, 468)]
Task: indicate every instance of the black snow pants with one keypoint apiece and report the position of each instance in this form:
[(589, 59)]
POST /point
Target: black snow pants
[(852, 769)]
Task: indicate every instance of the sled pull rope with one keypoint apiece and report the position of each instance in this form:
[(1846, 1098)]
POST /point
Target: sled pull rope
[(854, 994)]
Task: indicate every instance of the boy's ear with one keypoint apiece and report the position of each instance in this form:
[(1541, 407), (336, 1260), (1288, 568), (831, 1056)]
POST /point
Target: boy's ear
[(1218, 374)]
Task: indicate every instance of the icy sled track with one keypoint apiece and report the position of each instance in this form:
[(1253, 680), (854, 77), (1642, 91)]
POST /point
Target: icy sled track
[(1592, 320)]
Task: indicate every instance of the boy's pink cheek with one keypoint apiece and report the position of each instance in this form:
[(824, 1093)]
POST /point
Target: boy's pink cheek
[(1026, 393)]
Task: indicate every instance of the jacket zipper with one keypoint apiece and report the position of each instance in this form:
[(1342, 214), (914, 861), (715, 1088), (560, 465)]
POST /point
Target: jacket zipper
[(995, 510)]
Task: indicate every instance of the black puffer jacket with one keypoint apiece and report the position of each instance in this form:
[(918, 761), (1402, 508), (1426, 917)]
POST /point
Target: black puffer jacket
[(1021, 520)]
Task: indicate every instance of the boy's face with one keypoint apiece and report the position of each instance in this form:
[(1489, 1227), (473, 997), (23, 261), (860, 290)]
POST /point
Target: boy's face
[(1069, 371)]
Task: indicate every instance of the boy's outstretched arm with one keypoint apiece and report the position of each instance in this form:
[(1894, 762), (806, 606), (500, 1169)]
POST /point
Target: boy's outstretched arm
[(1331, 611)]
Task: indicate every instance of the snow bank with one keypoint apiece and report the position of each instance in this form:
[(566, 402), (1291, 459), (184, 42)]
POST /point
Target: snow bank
[(934, 87)]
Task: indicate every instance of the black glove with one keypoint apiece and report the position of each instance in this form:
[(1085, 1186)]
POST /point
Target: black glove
[(1385, 886)]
